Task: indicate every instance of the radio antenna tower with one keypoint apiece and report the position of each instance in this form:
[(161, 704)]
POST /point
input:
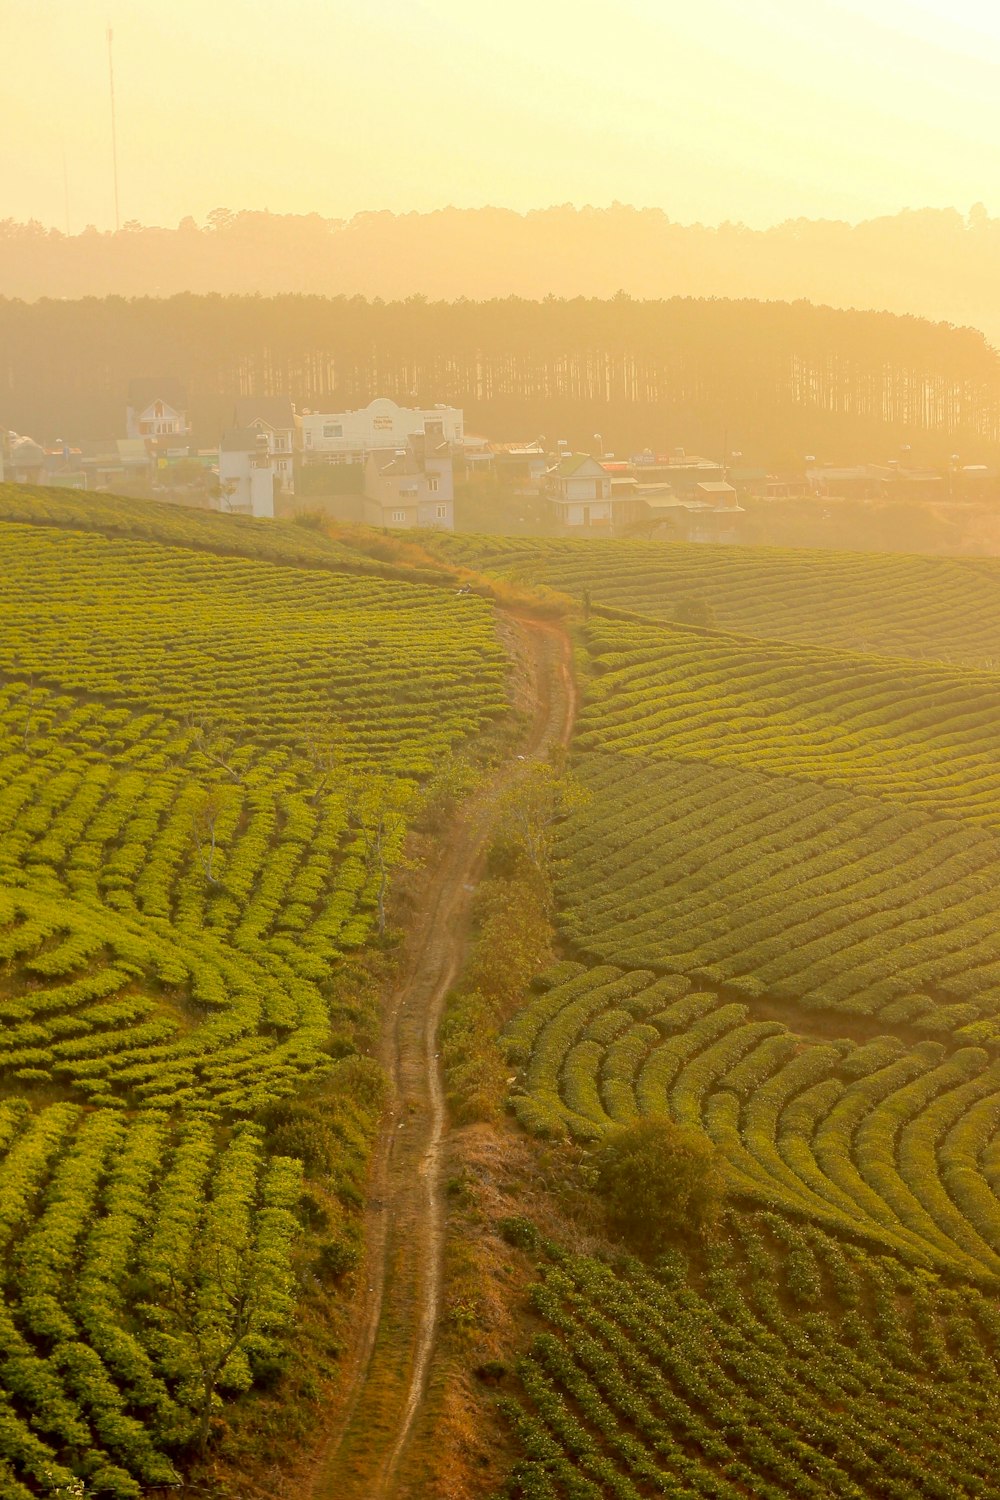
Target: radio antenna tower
[(65, 188), (114, 128)]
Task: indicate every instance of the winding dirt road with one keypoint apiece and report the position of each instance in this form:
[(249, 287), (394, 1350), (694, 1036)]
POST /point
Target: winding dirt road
[(388, 1366)]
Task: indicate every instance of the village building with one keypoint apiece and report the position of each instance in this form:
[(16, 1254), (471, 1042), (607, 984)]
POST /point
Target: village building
[(477, 456), (104, 463), (681, 470), (348, 437), (25, 461), (247, 473), (713, 513), (274, 416), (763, 484), (413, 485), (520, 466), (585, 496), (157, 411)]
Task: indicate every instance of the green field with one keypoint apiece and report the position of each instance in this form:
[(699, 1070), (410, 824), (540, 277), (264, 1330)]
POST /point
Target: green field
[(877, 1139), (779, 913), (947, 609), (198, 719), (777, 897), (782, 1363)]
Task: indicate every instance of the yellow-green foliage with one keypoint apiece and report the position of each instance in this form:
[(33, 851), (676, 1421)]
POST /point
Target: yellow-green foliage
[(878, 1139), (815, 826), (265, 650), (781, 902), (780, 1362), (659, 1179), (944, 608), (198, 740)]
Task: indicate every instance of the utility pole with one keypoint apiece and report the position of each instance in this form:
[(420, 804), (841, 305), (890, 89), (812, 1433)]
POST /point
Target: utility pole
[(114, 128), (65, 189)]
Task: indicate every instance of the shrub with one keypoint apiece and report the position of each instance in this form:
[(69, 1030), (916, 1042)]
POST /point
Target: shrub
[(659, 1179), (298, 1129), (518, 1232), (336, 1259)]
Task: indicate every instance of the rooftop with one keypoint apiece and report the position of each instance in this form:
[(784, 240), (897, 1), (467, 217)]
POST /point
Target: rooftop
[(239, 440), (145, 389), (275, 411), (574, 463)]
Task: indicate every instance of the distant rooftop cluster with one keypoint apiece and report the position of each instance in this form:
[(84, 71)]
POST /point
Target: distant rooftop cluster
[(402, 465)]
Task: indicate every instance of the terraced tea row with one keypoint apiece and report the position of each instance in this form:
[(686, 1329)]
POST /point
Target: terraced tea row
[(787, 1365), (180, 526), (944, 608), (208, 766), (408, 671), (877, 1139), (924, 736), (146, 1271), (112, 805), (788, 890), (134, 971)]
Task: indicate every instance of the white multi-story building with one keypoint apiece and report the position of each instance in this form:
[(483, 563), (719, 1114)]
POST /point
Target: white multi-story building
[(274, 416), (584, 494), (247, 474), (349, 436)]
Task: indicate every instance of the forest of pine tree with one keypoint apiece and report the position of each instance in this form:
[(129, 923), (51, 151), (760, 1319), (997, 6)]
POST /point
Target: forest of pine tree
[(770, 379)]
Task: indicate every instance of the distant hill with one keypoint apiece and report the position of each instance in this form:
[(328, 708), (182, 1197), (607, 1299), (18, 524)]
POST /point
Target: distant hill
[(934, 263)]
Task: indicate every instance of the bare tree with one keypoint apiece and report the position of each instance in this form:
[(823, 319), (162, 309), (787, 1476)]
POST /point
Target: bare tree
[(212, 742), (224, 491), (532, 805), (379, 808), (326, 747), (204, 822), (213, 1308), (216, 1314)]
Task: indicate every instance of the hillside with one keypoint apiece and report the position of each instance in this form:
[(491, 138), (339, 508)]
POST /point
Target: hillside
[(896, 262), (942, 609), (211, 756), (776, 907), (274, 804)]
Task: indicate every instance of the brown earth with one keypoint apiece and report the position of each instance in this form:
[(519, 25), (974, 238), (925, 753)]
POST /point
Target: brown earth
[(387, 1366)]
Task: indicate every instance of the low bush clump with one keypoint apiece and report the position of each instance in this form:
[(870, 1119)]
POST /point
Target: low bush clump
[(658, 1180)]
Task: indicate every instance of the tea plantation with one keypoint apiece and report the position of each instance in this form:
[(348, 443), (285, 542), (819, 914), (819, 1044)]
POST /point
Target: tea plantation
[(779, 914), (944, 608), (204, 725)]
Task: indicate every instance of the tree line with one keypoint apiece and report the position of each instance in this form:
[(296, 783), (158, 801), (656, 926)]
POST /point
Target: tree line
[(937, 263), (769, 379)]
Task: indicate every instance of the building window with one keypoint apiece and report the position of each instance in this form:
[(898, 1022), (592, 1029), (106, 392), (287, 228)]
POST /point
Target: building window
[(433, 484), (279, 445), (442, 512), (333, 429), (399, 515)]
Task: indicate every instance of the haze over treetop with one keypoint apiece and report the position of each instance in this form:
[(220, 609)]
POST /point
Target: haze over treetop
[(716, 111), (935, 263)]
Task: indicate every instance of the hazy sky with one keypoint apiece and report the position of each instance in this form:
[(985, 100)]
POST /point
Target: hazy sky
[(757, 110)]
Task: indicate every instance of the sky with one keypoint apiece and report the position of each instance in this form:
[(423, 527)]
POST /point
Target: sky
[(713, 110)]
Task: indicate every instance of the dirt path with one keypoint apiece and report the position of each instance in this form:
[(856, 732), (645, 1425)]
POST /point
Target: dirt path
[(388, 1366)]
